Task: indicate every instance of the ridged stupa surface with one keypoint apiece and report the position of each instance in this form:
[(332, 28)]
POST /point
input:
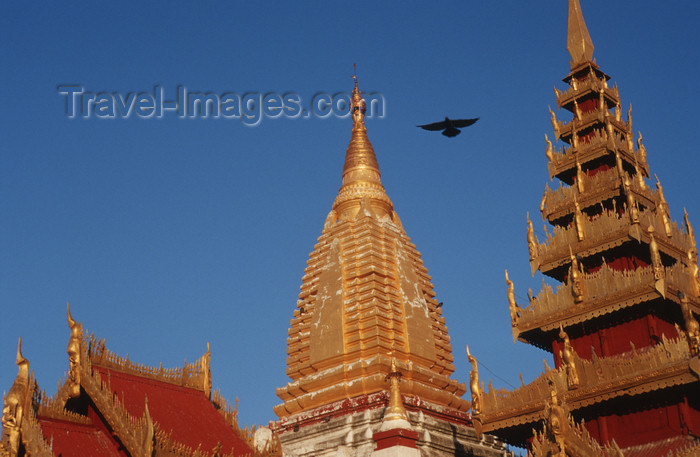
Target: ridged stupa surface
[(366, 298)]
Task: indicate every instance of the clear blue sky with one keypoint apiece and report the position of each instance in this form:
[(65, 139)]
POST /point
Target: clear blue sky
[(167, 233)]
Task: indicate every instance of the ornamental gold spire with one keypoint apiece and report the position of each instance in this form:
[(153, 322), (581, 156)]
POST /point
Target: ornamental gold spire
[(395, 411), (361, 177), (366, 302), (578, 41)]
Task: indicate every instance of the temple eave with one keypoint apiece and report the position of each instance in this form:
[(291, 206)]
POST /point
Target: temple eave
[(605, 378)]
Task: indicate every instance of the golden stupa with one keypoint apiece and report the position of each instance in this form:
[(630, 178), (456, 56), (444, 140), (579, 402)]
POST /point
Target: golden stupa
[(366, 299)]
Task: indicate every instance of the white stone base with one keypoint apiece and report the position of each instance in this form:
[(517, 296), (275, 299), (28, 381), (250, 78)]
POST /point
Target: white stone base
[(351, 436), (397, 451)]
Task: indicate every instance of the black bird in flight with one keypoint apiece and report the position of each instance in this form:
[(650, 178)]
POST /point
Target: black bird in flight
[(449, 127)]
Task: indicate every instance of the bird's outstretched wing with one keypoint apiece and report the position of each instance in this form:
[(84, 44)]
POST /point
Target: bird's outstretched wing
[(434, 126), (459, 123)]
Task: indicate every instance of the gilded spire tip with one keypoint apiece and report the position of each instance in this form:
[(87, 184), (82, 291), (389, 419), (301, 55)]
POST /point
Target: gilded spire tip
[(361, 177), (578, 40)]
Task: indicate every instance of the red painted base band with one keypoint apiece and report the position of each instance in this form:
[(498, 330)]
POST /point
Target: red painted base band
[(395, 437)]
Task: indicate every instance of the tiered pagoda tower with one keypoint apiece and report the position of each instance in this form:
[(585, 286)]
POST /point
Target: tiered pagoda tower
[(367, 314), (621, 325)]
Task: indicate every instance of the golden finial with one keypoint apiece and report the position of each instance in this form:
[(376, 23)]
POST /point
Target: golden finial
[(578, 220), (20, 360), (641, 149), (206, 371), (543, 202), (618, 164), (631, 201), (577, 110), (578, 41), (361, 177), (579, 176), (654, 249), (476, 392), (555, 123), (14, 403), (395, 410), (568, 359), (657, 265), (75, 354), (692, 328), (638, 173), (629, 119), (147, 443), (663, 208), (511, 300), (575, 278), (688, 228), (474, 384), (549, 152), (358, 105), (531, 239)]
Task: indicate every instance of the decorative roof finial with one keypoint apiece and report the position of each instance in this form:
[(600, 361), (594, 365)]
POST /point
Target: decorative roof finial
[(476, 393), (14, 403), (206, 372), (688, 228), (578, 41), (75, 354)]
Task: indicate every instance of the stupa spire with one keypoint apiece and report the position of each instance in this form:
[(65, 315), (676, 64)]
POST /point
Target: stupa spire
[(578, 41), (366, 299), (361, 176)]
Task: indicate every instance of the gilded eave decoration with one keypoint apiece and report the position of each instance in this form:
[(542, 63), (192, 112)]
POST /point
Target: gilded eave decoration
[(605, 291), (562, 437), (584, 382)]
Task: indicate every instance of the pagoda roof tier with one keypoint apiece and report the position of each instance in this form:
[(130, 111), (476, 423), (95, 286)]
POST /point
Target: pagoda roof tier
[(587, 121), (602, 186), (586, 88), (597, 145), (606, 231), (639, 371), (603, 292)]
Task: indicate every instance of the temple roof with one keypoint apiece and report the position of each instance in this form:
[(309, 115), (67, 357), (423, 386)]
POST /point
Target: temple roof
[(69, 439), (366, 298), (110, 406), (185, 412)]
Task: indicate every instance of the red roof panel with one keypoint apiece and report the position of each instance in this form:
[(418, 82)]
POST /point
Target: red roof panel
[(186, 412), (69, 439)]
